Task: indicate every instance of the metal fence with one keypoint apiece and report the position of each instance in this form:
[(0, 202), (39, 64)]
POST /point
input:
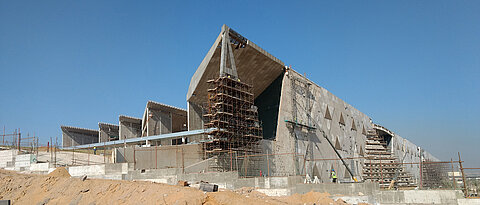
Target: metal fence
[(448, 175)]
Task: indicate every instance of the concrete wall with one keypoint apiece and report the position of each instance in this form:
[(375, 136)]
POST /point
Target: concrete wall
[(349, 189), (410, 153), (179, 123), (103, 171), (75, 138), (159, 123), (129, 130), (40, 168), (7, 158), (312, 144), (418, 197), (166, 156), (195, 119), (311, 101), (107, 131), (23, 161)]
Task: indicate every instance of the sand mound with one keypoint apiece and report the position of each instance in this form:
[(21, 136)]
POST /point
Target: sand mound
[(59, 172), (311, 198), (38, 189)]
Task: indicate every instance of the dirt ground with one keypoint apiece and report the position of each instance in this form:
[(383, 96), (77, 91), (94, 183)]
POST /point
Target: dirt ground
[(59, 188)]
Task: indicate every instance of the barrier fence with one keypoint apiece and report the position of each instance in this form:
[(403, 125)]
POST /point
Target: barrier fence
[(389, 174)]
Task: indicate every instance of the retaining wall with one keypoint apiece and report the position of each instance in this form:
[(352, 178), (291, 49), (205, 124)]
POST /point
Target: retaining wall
[(7, 158)]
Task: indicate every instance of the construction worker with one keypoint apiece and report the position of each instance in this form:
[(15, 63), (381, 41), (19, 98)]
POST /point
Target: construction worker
[(94, 150), (333, 174)]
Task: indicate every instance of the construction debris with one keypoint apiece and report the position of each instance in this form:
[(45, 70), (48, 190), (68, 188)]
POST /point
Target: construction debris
[(208, 187)]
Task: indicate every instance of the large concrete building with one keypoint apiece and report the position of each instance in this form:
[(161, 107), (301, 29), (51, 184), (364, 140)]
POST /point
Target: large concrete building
[(299, 116), (306, 130)]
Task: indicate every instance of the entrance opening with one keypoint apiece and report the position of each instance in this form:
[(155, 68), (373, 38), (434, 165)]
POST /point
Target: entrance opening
[(268, 103)]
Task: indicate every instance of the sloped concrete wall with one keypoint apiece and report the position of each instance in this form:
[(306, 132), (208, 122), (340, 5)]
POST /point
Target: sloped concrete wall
[(312, 144), (410, 153), (312, 101), (129, 130)]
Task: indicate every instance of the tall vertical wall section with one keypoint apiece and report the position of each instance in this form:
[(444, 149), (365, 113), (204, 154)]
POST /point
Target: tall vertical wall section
[(312, 145)]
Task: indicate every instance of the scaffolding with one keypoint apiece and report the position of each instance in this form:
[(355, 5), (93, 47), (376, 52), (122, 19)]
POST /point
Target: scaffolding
[(230, 109), (382, 166)]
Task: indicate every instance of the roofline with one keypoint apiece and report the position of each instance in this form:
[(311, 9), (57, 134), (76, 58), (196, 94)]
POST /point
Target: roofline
[(382, 128), (203, 65), (129, 117), (124, 118), (107, 124), (150, 102), (71, 128)]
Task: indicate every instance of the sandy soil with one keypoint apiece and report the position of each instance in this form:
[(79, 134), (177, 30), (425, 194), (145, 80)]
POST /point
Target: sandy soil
[(59, 188)]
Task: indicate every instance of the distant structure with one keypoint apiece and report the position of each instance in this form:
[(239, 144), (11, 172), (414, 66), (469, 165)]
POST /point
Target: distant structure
[(107, 132), (243, 101), (130, 127), (73, 136)]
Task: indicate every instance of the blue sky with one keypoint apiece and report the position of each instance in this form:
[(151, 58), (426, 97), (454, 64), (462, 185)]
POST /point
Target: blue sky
[(412, 66)]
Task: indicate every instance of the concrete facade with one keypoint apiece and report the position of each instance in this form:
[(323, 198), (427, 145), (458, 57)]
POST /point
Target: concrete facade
[(160, 119), (129, 127), (73, 136), (297, 122), (107, 132), (160, 157)]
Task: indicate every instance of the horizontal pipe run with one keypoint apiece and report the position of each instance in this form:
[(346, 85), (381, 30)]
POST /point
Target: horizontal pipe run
[(141, 139)]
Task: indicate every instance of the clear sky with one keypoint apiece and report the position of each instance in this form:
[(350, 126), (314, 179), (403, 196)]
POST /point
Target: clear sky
[(412, 66)]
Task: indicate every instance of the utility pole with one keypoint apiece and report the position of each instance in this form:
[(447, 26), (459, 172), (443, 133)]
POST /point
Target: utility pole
[(55, 154), (463, 176)]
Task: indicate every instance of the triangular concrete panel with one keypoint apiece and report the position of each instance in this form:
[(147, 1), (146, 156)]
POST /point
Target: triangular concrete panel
[(364, 132), (354, 127), (337, 144), (342, 121), (327, 114)]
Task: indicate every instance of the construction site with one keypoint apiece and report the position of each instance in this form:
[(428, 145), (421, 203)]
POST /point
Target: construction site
[(253, 123)]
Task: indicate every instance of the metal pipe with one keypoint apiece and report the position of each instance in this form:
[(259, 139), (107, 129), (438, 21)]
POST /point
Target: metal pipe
[(339, 156), (156, 144), (453, 175)]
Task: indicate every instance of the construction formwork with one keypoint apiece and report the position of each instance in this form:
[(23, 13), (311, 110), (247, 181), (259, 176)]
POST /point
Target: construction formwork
[(382, 166), (230, 108)]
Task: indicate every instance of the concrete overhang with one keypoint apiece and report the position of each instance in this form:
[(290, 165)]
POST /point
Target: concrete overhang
[(383, 129), (68, 129), (124, 118), (254, 66), (167, 108), (107, 126)]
